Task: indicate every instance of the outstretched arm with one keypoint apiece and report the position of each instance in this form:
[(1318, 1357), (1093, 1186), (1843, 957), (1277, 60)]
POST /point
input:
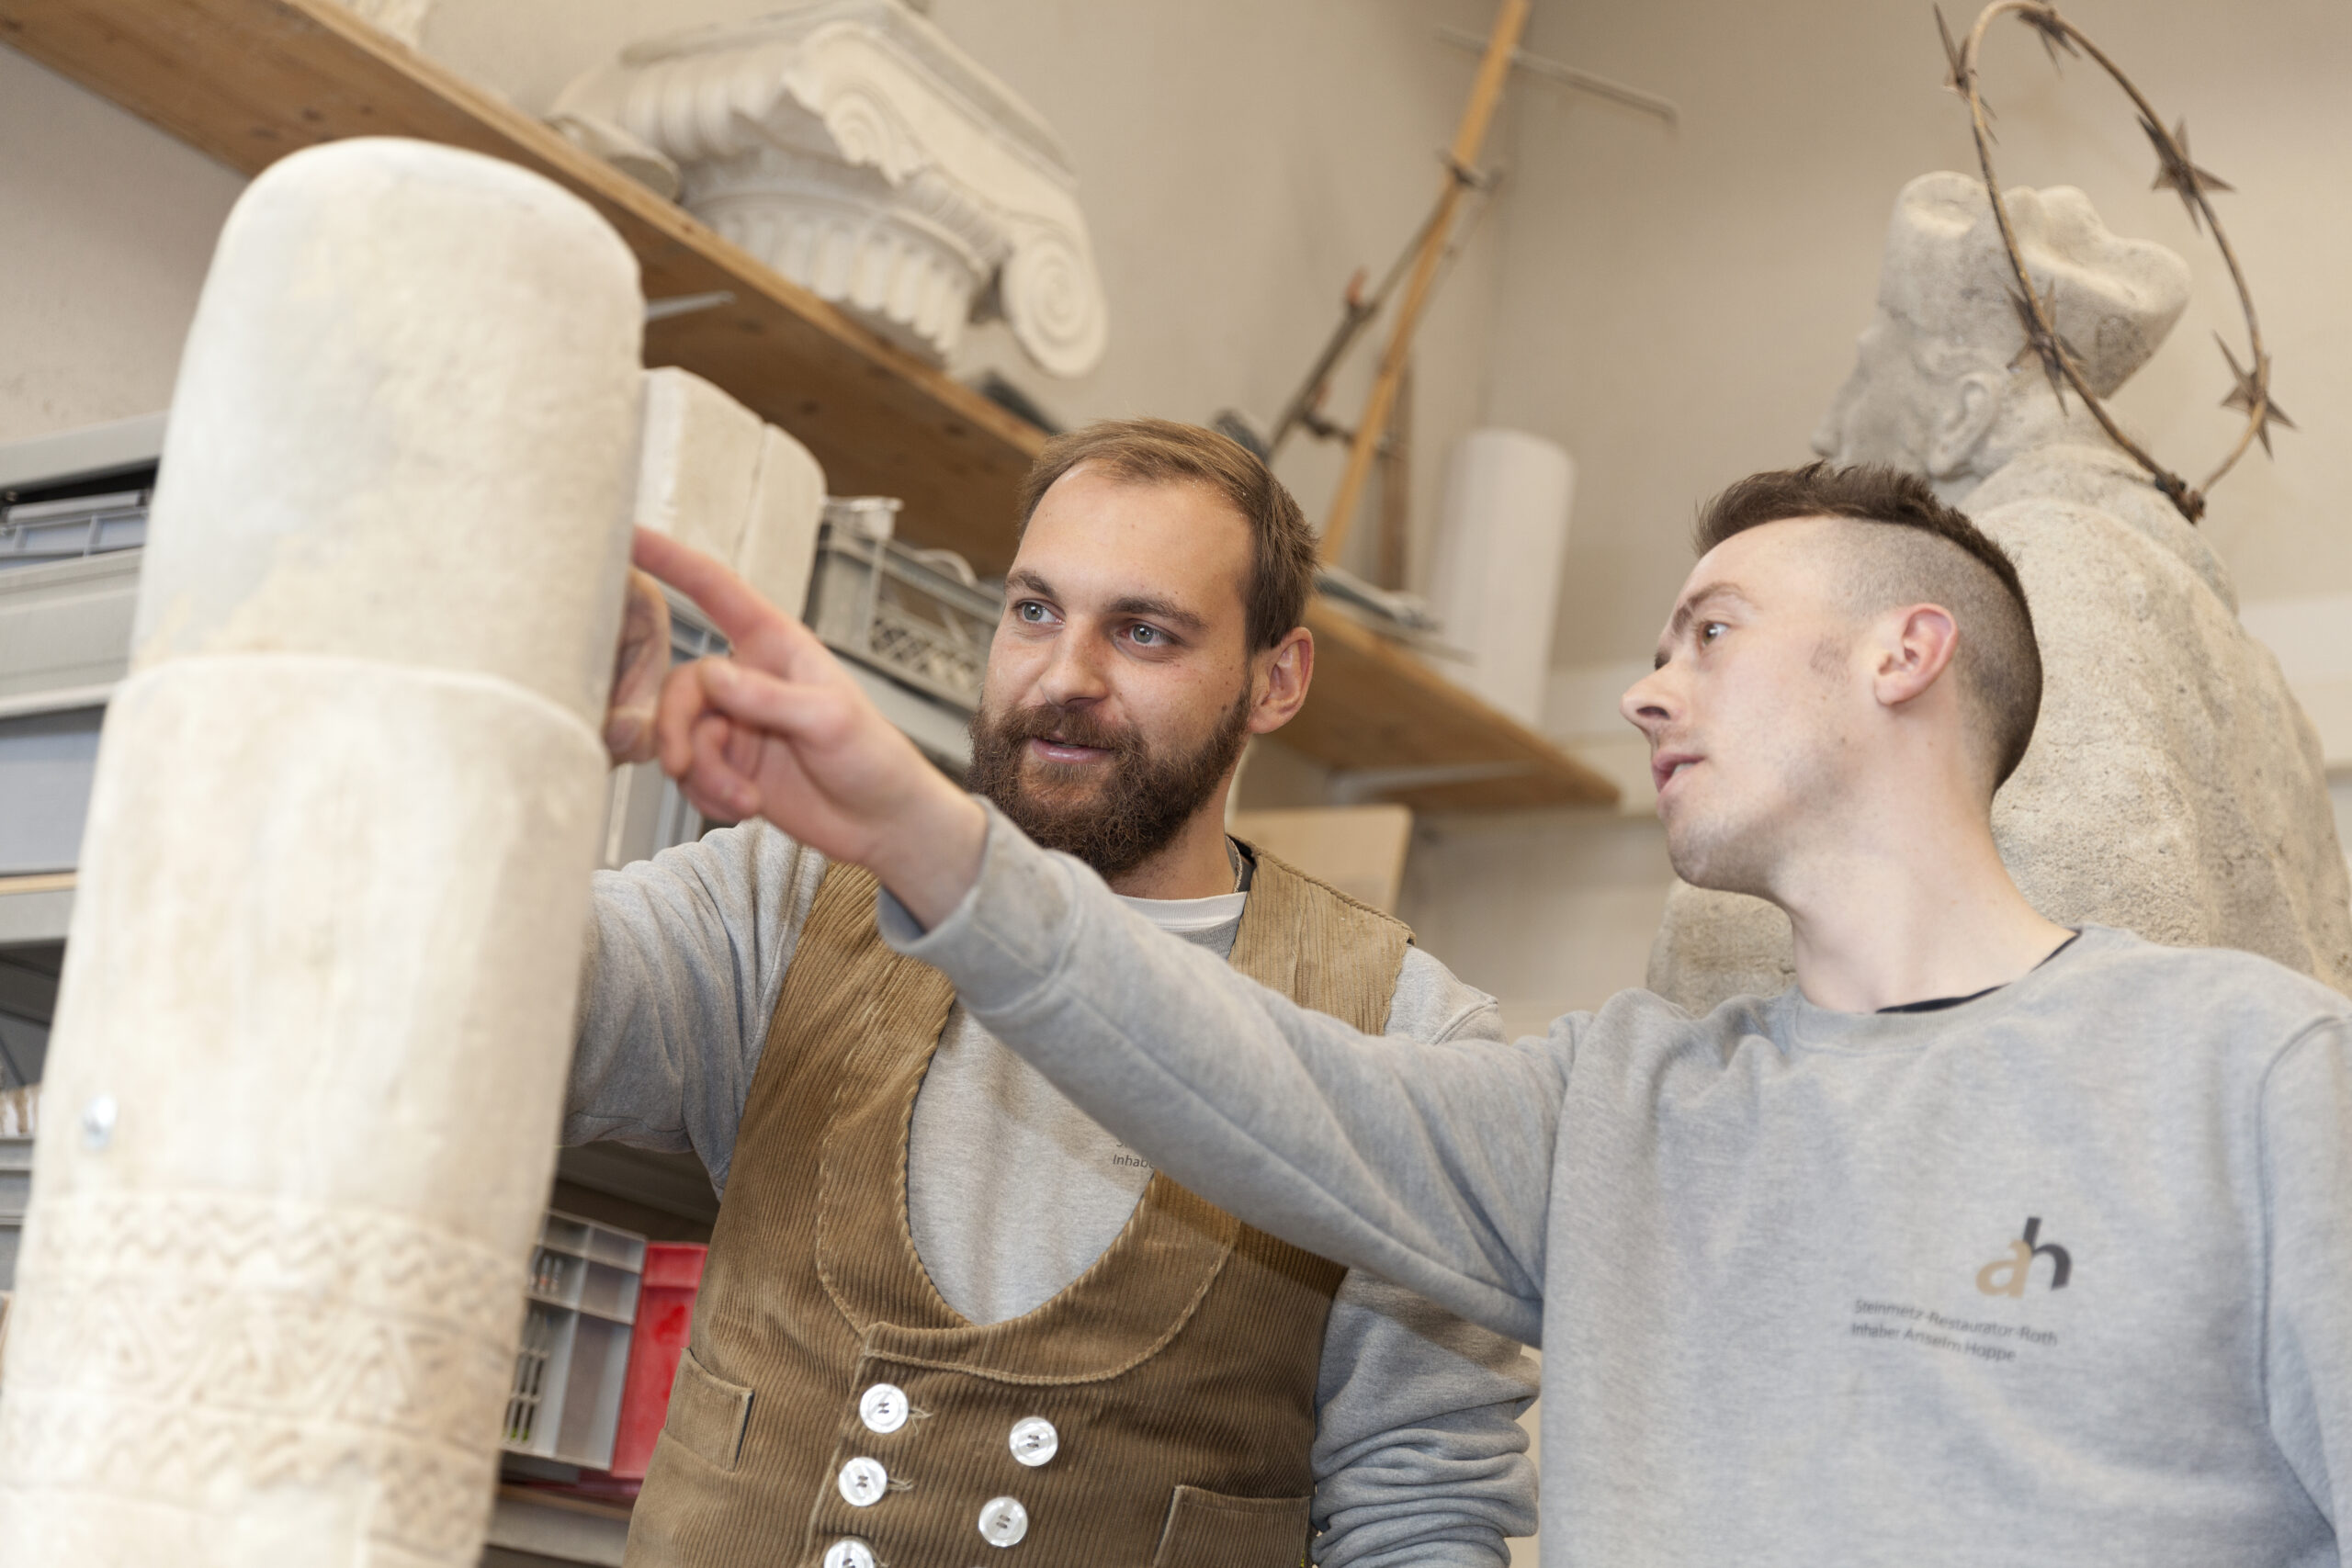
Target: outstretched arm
[(1430, 1165)]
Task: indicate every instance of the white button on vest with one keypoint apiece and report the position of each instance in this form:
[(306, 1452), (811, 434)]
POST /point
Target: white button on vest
[(1034, 1442), (1003, 1521), (849, 1554), (862, 1482), (883, 1408)]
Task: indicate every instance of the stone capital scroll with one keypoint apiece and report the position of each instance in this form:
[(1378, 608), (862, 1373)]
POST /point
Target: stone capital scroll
[(317, 1006), (850, 145)]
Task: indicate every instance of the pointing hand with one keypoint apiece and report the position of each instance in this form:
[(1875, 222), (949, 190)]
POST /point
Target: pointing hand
[(779, 729)]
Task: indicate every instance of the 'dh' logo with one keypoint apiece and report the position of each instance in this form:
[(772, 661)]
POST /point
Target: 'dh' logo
[(2007, 1275)]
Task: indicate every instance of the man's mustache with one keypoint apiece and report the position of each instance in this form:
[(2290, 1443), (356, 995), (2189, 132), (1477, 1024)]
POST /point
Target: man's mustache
[(1073, 726)]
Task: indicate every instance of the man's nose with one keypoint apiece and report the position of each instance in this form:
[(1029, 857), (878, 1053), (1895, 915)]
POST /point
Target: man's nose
[(1647, 705), (1074, 672)]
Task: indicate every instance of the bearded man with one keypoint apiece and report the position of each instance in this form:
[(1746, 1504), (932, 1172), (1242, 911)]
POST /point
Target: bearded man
[(944, 1310)]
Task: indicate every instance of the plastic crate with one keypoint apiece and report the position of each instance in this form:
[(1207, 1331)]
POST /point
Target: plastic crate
[(16, 1195), (570, 1370), (63, 530), (665, 1319), (919, 616)]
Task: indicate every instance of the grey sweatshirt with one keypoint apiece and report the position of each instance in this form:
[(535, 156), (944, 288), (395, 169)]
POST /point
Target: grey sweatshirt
[(1418, 1456), (2062, 1275)]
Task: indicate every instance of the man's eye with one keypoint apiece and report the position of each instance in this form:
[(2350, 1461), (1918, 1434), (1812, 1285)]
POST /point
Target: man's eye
[(1709, 632), (1030, 610), (1151, 637)]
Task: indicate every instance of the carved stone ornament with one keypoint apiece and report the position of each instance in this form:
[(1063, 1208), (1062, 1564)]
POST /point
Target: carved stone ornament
[(316, 1012), (851, 146)]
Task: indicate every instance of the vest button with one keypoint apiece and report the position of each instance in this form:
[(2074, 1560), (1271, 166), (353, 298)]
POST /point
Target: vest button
[(1034, 1442), (1003, 1521), (846, 1553), (883, 1408), (862, 1482)]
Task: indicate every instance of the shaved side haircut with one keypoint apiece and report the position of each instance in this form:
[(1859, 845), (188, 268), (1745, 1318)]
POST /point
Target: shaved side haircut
[(1921, 552)]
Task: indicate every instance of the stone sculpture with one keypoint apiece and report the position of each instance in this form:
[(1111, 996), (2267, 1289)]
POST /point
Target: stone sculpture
[(851, 146), (2173, 787), (712, 476), (317, 1006)]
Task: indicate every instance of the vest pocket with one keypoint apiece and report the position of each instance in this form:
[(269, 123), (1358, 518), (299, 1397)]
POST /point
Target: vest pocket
[(707, 1414), (1209, 1529)]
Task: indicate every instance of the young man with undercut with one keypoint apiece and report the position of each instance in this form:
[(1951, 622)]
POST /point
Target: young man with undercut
[(945, 1313), (1986, 1242)]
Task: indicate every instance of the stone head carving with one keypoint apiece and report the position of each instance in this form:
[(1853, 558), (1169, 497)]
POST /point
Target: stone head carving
[(1940, 385)]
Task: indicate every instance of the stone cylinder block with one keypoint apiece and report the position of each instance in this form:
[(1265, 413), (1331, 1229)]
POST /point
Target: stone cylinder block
[(318, 998)]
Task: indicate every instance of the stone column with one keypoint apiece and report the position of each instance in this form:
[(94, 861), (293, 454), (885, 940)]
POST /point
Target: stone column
[(318, 1001)]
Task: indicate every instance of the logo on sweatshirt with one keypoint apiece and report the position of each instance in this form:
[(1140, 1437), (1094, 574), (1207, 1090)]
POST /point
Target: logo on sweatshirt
[(2007, 1275)]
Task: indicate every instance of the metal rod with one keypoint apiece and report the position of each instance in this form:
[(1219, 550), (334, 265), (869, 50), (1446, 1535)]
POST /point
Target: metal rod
[(1569, 77)]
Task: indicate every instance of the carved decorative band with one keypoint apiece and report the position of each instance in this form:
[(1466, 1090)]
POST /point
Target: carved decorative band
[(196, 1349)]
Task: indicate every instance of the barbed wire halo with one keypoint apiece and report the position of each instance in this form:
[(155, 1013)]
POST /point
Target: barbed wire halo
[(2035, 313)]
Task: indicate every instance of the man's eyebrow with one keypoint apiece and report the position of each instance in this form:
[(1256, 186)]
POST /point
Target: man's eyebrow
[(1153, 608), (1687, 611), (1149, 607)]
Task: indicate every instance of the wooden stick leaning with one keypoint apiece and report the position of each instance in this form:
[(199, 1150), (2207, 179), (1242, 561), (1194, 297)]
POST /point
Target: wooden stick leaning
[(1486, 94)]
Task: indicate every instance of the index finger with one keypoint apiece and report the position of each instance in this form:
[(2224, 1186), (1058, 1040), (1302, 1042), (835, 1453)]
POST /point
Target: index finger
[(733, 605)]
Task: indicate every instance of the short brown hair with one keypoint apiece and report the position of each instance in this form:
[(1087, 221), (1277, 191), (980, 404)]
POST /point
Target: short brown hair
[(1943, 559), (1161, 451)]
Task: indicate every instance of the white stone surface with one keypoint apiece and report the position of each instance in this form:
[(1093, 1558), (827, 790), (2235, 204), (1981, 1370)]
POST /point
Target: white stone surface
[(712, 476), (1496, 579), (2173, 787), (698, 464), (403, 19), (316, 1009), (849, 144), (779, 548), (629, 154)]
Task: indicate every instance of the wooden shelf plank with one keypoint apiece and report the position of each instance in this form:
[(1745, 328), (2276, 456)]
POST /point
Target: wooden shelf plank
[(250, 81), (1373, 705)]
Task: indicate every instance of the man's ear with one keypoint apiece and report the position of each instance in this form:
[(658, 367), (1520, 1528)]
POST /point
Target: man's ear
[(1917, 647), (1966, 420), (1278, 679)]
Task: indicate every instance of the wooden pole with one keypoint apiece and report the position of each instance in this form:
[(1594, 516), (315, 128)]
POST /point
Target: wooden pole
[(1486, 94)]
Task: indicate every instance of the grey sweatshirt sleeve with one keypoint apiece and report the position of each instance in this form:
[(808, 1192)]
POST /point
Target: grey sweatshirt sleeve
[(2307, 1168), (1429, 1165), (1420, 1459), (685, 954)]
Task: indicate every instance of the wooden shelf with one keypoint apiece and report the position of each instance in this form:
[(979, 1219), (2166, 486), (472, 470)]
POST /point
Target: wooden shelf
[(250, 81), (1377, 710)]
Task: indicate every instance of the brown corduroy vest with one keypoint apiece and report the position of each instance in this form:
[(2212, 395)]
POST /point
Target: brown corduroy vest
[(1177, 1372)]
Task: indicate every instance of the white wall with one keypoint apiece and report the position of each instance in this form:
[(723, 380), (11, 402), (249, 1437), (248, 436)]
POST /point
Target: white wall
[(1677, 306), (109, 226)]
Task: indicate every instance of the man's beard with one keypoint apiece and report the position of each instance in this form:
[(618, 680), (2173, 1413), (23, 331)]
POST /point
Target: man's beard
[(1142, 798)]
